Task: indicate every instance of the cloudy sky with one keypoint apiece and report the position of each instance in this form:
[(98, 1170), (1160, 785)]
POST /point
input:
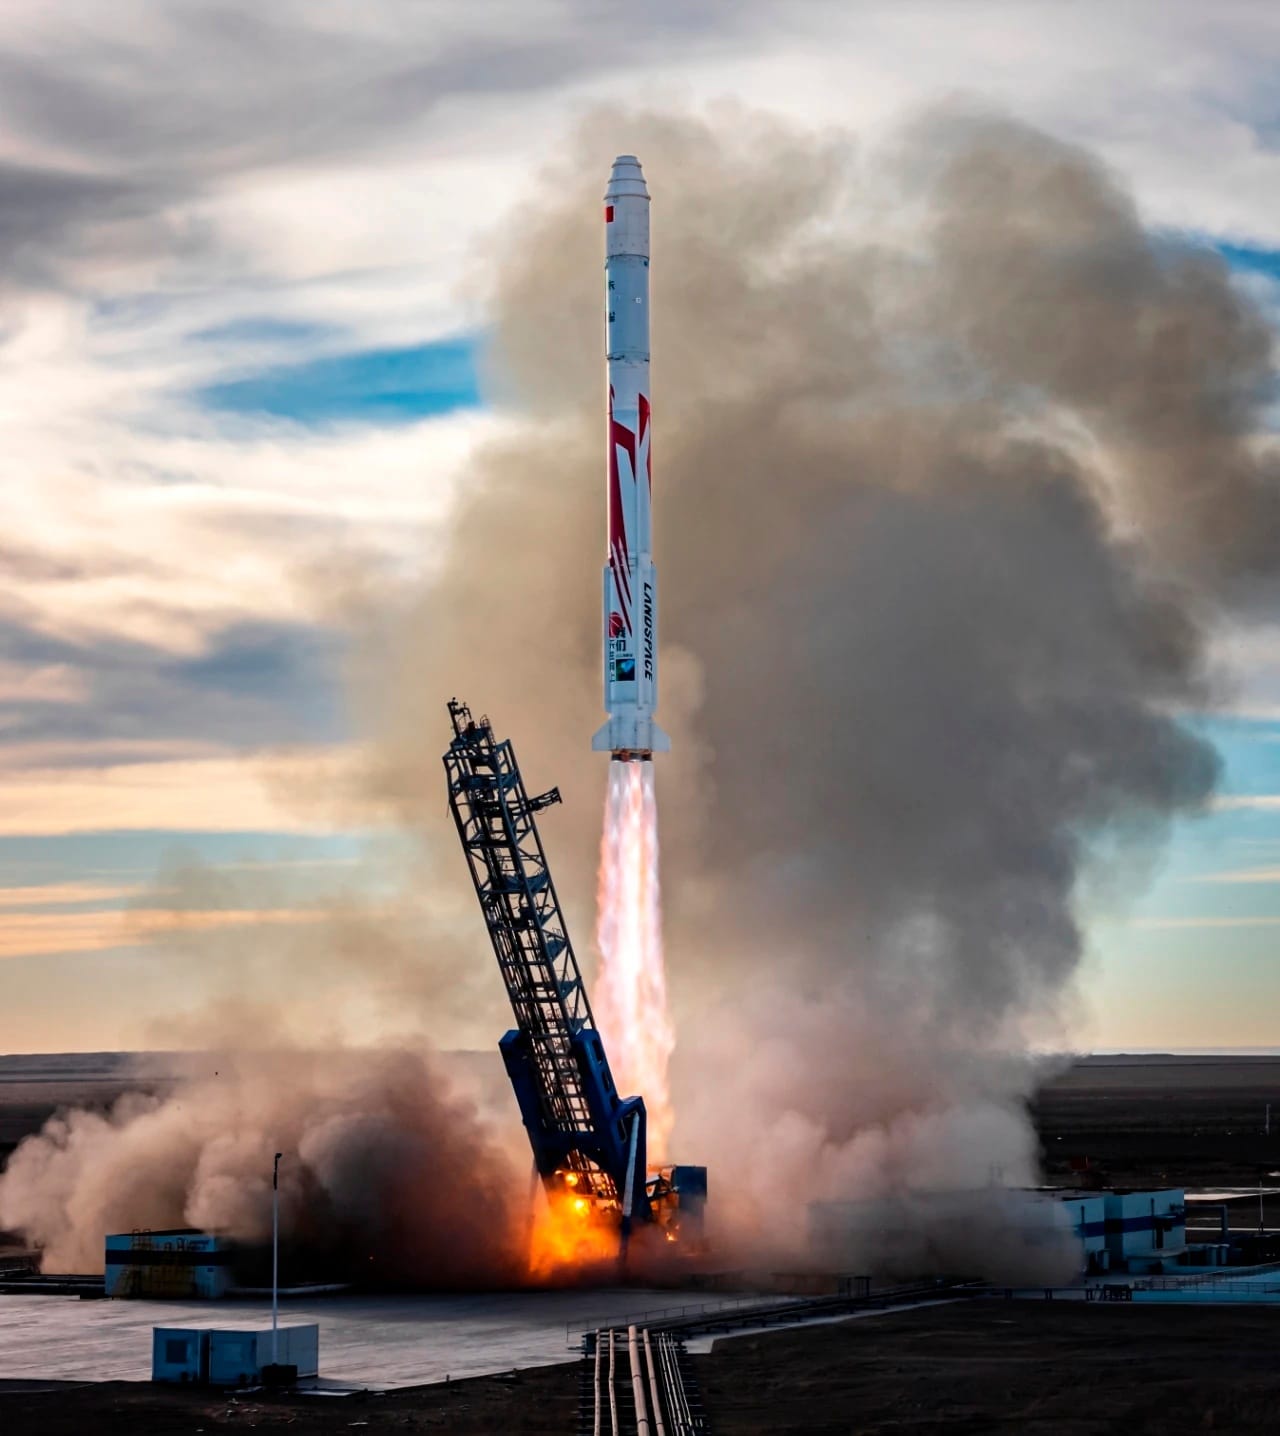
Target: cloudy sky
[(243, 254)]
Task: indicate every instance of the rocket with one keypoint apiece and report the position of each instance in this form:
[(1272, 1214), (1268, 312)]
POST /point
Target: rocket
[(630, 581)]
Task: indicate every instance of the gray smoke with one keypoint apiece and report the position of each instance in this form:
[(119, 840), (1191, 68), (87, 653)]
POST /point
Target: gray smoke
[(955, 467), (387, 1174)]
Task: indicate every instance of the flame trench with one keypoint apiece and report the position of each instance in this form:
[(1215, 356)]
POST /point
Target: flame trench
[(630, 1000)]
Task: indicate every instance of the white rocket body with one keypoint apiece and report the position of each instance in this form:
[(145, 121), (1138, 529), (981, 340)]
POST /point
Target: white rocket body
[(630, 582)]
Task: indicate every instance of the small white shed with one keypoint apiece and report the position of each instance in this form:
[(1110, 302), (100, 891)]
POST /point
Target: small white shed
[(180, 1354), (236, 1358)]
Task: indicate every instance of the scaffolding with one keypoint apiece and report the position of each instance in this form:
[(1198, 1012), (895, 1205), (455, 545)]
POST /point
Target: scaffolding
[(582, 1133)]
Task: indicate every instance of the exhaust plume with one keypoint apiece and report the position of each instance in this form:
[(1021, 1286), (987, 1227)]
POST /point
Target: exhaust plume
[(630, 998)]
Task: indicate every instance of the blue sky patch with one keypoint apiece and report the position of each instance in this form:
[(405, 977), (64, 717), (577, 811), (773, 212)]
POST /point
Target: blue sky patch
[(1250, 259), (1250, 750), (372, 386), (1241, 258)]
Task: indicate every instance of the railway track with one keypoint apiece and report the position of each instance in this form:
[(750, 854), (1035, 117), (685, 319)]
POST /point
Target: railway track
[(636, 1378), (638, 1382)]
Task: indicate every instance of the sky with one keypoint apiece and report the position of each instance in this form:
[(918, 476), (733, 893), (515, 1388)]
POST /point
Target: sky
[(243, 251)]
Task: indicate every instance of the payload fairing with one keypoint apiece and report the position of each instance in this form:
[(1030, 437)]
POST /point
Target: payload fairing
[(630, 581)]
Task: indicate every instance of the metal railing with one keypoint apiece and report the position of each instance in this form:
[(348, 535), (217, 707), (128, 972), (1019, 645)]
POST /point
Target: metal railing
[(1223, 1285), (769, 1308), (656, 1316), (637, 1382)]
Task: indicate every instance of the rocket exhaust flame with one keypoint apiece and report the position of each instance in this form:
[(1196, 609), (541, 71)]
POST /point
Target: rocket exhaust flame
[(569, 1238), (630, 999)]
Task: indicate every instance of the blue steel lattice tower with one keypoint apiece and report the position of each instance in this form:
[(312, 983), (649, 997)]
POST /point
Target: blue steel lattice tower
[(585, 1137)]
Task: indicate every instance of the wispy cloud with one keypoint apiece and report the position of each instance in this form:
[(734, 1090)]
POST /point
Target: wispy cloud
[(1160, 924), (1260, 875), (276, 792), (44, 896), (193, 533), (36, 934), (26, 684)]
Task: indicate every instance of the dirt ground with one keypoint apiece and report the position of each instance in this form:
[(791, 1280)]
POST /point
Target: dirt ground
[(1035, 1368), (525, 1403), (1176, 1121)]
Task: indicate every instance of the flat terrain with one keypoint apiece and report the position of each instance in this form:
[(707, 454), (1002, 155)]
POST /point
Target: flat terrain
[(1035, 1368), (542, 1401), (365, 1339), (1177, 1121), (972, 1367)]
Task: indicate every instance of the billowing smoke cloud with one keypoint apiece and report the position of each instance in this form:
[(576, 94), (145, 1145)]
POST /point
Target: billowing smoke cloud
[(385, 1178), (954, 466)]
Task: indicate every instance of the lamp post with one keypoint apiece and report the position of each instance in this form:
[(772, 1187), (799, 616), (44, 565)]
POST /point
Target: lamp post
[(275, 1260)]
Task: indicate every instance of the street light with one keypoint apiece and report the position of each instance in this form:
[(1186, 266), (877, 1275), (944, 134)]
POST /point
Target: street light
[(275, 1260)]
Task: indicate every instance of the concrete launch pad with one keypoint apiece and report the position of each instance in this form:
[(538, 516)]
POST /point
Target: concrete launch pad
[(368, 1341)]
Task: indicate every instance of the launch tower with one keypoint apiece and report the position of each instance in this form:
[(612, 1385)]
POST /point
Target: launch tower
[(586, 1138)]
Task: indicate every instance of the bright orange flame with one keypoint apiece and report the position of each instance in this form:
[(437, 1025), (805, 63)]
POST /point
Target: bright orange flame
[(630, 999), (568, 1233)]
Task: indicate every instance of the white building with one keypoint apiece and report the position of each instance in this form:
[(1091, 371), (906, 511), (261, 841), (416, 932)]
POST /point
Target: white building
[(236, 1358), (232, 1357)]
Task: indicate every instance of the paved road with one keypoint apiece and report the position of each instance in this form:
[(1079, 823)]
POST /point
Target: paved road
[(380, 1341)]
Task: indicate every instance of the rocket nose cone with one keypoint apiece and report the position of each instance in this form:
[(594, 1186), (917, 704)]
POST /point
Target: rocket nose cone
[(626, 178)]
